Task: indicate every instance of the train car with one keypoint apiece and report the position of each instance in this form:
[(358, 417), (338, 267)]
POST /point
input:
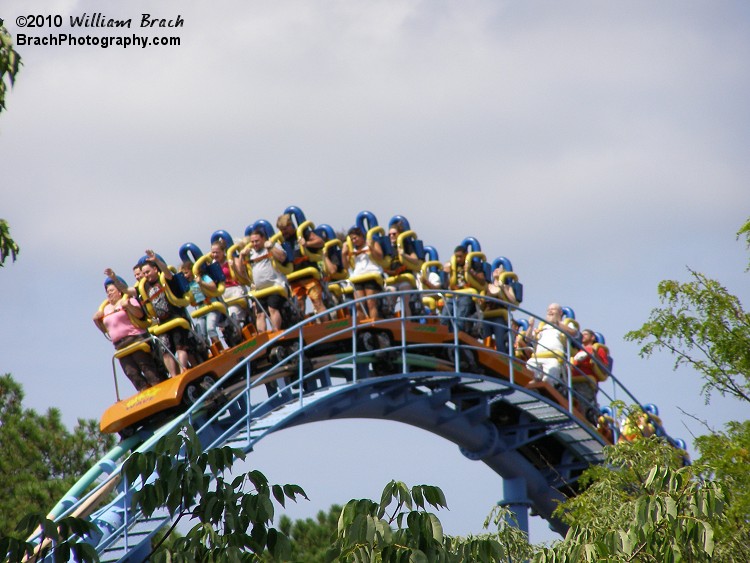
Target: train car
[(372, 346), (377, 344), (165, 399)]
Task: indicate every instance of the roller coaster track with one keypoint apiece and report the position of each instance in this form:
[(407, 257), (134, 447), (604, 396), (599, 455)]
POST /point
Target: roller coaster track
[(458, 389)]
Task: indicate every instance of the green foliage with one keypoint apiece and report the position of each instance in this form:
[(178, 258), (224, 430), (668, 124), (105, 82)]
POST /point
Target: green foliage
[(642, 505), (703, 326), (40, 458), (233, 525), (310, 539), (507, 544), (745, 232), (400, 528), (725, 457), (365, 533), (62, 539), (607, 490), (8, 246), (10, 63)]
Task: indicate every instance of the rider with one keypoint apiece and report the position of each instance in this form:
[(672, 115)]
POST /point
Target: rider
[(588, 373), (115, 320), (457, 271), (404, 259), (551, 343), (263, 255), (207, 324), (295, 246), (362, 257), (497, 324), (233, 289), (175, 340)]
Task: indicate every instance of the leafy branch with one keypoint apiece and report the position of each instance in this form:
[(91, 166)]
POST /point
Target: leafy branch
[(10, 63), (232, 522), (705, 327), (8, 247)]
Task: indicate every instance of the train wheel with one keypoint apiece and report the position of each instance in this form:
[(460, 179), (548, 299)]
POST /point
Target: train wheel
[(367, 341), (232, 333), (281, 352), (467, 359), (126, 433), (384, 362), (196, 389)]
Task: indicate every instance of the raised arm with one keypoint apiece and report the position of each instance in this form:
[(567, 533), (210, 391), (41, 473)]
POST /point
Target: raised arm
[(119, 284), (163, 266)]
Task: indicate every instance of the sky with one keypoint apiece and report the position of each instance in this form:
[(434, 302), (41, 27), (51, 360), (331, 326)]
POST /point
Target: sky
[(602, 147)]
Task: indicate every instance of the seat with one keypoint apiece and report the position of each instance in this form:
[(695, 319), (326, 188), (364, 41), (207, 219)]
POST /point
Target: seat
[(407, 275), (140, 346), (273, 290), (143, 323), (179, 322), (213, 307), (334, 246), (499, 312), (433, 301), (171, 297), (471, 279), (364, 278), (198, 270), (599, 373)]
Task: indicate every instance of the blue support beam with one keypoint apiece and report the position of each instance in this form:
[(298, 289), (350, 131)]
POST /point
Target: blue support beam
[(517, 501)]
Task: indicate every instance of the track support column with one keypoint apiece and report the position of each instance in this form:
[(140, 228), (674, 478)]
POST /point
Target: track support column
[(516, 499)]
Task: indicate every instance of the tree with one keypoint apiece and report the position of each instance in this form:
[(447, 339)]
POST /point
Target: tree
[(8, 246), (642, 504), (310, 539), (725, 457), (40, 458), (401, 528), (63, 538), (704, 326), (232, 524), (10, 63), (235, 525)]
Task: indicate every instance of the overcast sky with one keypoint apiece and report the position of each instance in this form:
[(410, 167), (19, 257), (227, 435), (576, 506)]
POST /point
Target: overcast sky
[(601, 147)]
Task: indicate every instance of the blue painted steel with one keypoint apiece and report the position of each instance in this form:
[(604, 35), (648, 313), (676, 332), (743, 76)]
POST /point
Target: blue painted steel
[(225, 236), (366, 220), (190, 251), (297, 214), (516, 499), (400, 218), (471, 244), (260, 224)]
